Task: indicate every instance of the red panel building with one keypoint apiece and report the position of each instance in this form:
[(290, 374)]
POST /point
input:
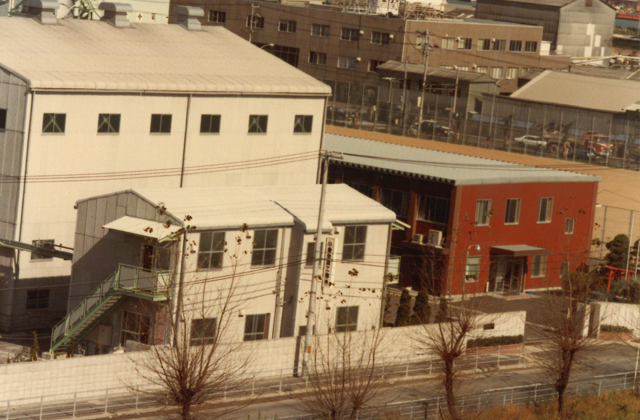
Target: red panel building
[(474, 225)]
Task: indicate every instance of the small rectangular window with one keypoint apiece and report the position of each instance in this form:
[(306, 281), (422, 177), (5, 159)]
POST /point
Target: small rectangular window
[(433, 209), (380, 38), (203, 331), (53, 123), (311, 254), (472, 270), (255, 22), (396, 201), (483, 212), (211, 250), (210, 124), (545, 209), (465, 43), (448, 44), (373, 64), (160, 123), (287, 26), (497, 72), (303, 124), (564, 268), (355, 238), (319, 30), (256, 327), (109, 123), (569, 225), (319, 58), (350, 34), (347, 319), (216, 16), (484, 44), (482, 69), (490, 326), (515, 45), (500, 45), (264, 247), (135, 327), (3, 119), (258, 123), (538, 265), (347, 62), (38, 299), (531, 46), (512, 213), (512, 72), (47, 244)]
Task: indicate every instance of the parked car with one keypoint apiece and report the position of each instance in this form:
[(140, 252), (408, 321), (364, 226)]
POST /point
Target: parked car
[(529, 140), (427, 128), (585, 156)]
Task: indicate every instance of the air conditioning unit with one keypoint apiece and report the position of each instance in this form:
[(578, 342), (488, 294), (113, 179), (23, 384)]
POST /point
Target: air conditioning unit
[(418, 238), (435, 238)]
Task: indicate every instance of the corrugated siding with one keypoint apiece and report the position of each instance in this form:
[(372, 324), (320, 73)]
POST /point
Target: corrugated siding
[(524, 13), (579, 25)]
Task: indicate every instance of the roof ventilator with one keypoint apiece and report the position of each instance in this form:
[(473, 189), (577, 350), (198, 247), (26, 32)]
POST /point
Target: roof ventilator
[(187, 17), (42, 10), (116, 14)]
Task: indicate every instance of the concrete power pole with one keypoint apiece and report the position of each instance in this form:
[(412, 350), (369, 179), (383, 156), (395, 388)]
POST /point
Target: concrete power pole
[(252, 24), (425, 60)]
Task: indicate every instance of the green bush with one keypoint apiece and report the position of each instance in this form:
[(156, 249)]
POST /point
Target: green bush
[(421, 309), (403, 316), (614, 328), (502, 340)]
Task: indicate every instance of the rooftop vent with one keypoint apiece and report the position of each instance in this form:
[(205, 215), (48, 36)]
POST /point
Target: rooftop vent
[(42, 10), (116, 14), (187, 17)]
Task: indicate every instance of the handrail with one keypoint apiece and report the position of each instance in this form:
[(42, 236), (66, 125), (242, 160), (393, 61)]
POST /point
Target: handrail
[(126, 278)]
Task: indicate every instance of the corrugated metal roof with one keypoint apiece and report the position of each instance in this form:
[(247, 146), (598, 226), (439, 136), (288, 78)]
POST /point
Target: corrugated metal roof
[(440, 166), (91, 55), (469, 76), (581, 91)]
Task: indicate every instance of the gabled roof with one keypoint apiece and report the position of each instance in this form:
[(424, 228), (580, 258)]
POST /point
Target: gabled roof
[(91, 55), (440, 166), (469, 76)]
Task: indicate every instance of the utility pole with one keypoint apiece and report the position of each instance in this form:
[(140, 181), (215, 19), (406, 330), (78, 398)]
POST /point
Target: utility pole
[(455, 102), (252, 23), (425, 61)]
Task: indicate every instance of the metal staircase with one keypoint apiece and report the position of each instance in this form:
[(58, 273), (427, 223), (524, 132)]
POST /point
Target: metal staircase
[(127, 280)]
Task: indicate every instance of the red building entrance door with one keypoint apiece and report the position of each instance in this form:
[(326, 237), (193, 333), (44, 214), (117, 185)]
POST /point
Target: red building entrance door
[(506, 274)]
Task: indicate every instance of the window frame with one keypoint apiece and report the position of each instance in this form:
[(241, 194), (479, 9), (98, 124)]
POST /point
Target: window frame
[(404, 210), (254, 320), (303, 124), (205, 327), (354, 249), (346, 313), (374, 64), (499, 45), (287, 26), (515, 45), (3, 119), (311, 254), (221, 16), (465, 44), (499, 71), (508, 209), (349, 34), (484, 44), (569, 226), (380, 38), (255, 124), (473, 262), (531, 46), (548, 210), (448, 43), (37, 299), (211, 124), (163, 127), (320, 58), (321, 33), (216, 241), (347, 63), (538, 266), (266, 260), (512, 73), (484, 214), (437, 202), (112, 127), (141, 333), (57, 122)]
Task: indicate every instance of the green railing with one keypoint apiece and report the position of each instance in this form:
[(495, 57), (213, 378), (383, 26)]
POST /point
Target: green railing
[(127, 280)]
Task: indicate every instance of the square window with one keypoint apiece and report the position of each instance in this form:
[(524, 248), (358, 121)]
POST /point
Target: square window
[(348, 63), (256, 327), (569, 225), (210, 124), (203, 331), (472, 270), (109, 123), (47, 244), (484, 44), (380, 38), (317, 58), (396, 201), (465, 43), (497, 72), (264, 247), (211, 250), (135, 327), (255, 22), (258, 124), (531, 46), (53, 123), (160, 123), (38, 299), (347, 319), (355, 238), (538, 265), (217, 16), (545, 209), (373, 64), (287, 26), (350, 34), (3, 119), (512, 213), (483, 212), (433, 209), (515, 45), (303, 124), (448, 44), (500, 45), (319, 30), (482, 69), (512, 72)]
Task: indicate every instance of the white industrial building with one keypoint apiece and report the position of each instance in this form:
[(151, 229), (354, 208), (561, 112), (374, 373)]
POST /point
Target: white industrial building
[(88, 108)]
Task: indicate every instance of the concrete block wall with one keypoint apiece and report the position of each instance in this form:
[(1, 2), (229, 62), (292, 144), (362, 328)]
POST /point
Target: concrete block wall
[(620, 314)]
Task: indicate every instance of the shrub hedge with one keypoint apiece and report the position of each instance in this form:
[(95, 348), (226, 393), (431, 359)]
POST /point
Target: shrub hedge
[(614, 328), (502, 340)]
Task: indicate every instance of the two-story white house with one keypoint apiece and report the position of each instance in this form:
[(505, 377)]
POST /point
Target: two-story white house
[(91, 107), (141, 253)]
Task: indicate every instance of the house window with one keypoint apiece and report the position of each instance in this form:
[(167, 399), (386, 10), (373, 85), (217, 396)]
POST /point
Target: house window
[(258, 123), (203, 331), (109, 123), (538, 265), (3, 119), (395, 200), (161, 123), (512, 214), (569, 224), (311, 254), (483, 212), (373, 64), (287, 26), (531, 46), (500, 45), (564, 268), (347, 62), (433, 209), (42, 243), (135, 327), (484, 44), (211, 250), (380, 38), (361, 188), (482, 69), (303, 124), (217, 16), (355, 238), (155, 257), (264, 247), (256, 327), (319, 30), (544, 210), (465, 43), (209, 124), (347, 319), (53, 123), (350, 34), (255, 22), (496, 72), (512, 72), (489, 326), (317, 58), (38, 299), (289, 55), (515, 45), (472, 270), (448, 44)]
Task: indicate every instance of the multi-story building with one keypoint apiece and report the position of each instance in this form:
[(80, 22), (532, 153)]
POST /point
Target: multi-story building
[(90, 107)]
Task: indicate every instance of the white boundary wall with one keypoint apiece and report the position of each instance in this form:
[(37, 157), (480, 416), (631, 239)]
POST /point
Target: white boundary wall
[(620, 314)]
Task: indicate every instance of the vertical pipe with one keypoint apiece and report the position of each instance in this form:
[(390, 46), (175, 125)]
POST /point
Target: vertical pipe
[(629, 247), (604, 226), (106, 400), (41, 405), (75, 400)]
